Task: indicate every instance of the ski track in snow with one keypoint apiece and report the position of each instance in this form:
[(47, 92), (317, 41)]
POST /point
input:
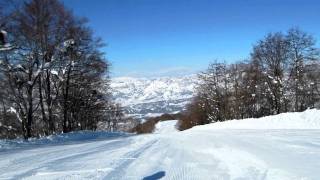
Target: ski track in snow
[(198, 153)]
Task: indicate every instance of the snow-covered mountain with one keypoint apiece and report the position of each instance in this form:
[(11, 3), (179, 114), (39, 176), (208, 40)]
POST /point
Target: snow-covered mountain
[(143, 97)]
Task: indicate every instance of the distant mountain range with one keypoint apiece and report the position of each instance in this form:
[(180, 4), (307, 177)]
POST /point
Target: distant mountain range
[(147, 97)]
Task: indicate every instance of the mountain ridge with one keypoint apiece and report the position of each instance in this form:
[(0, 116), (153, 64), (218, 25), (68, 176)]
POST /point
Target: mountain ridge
[(144, 97)]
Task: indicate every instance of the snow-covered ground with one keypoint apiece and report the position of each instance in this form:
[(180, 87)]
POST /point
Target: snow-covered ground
[(165, 127), (215, 151)]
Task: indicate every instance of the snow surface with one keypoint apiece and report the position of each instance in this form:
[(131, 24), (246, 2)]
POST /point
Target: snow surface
[(215, 151), (165, 127), (309, 119)]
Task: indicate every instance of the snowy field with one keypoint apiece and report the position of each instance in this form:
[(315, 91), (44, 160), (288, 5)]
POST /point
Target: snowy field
[(285, 146)]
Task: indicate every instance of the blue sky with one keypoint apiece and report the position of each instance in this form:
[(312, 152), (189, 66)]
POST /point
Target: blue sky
[(169, 37)]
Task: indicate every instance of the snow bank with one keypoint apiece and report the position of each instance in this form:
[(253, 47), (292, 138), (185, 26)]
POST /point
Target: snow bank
[(65, 138), (164, 127), (309, 119)]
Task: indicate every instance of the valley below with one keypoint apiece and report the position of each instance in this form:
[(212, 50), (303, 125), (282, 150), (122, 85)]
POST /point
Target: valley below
[(148, 97)]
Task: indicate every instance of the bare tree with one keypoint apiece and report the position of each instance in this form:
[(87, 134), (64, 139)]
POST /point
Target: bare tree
[(55, 73), (302, 52), (282, 75)]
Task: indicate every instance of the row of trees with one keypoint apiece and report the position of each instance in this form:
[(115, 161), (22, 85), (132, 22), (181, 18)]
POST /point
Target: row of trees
[(53, 76), (282, 75)]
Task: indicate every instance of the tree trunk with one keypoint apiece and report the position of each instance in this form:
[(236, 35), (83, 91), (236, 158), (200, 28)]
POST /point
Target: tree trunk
[(49, 103), (44, 118), (30, 113), (65, 105)]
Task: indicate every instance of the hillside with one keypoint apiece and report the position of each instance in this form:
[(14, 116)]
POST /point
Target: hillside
[(269, 148), (143, 97)]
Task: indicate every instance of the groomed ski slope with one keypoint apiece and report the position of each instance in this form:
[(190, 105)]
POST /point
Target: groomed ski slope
[(285, 146)]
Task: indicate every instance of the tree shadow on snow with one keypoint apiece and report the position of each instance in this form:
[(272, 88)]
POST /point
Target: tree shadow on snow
[(155, 176)]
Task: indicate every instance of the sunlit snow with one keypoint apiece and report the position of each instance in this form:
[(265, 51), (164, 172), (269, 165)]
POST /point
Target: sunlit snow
[(285, 146)]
